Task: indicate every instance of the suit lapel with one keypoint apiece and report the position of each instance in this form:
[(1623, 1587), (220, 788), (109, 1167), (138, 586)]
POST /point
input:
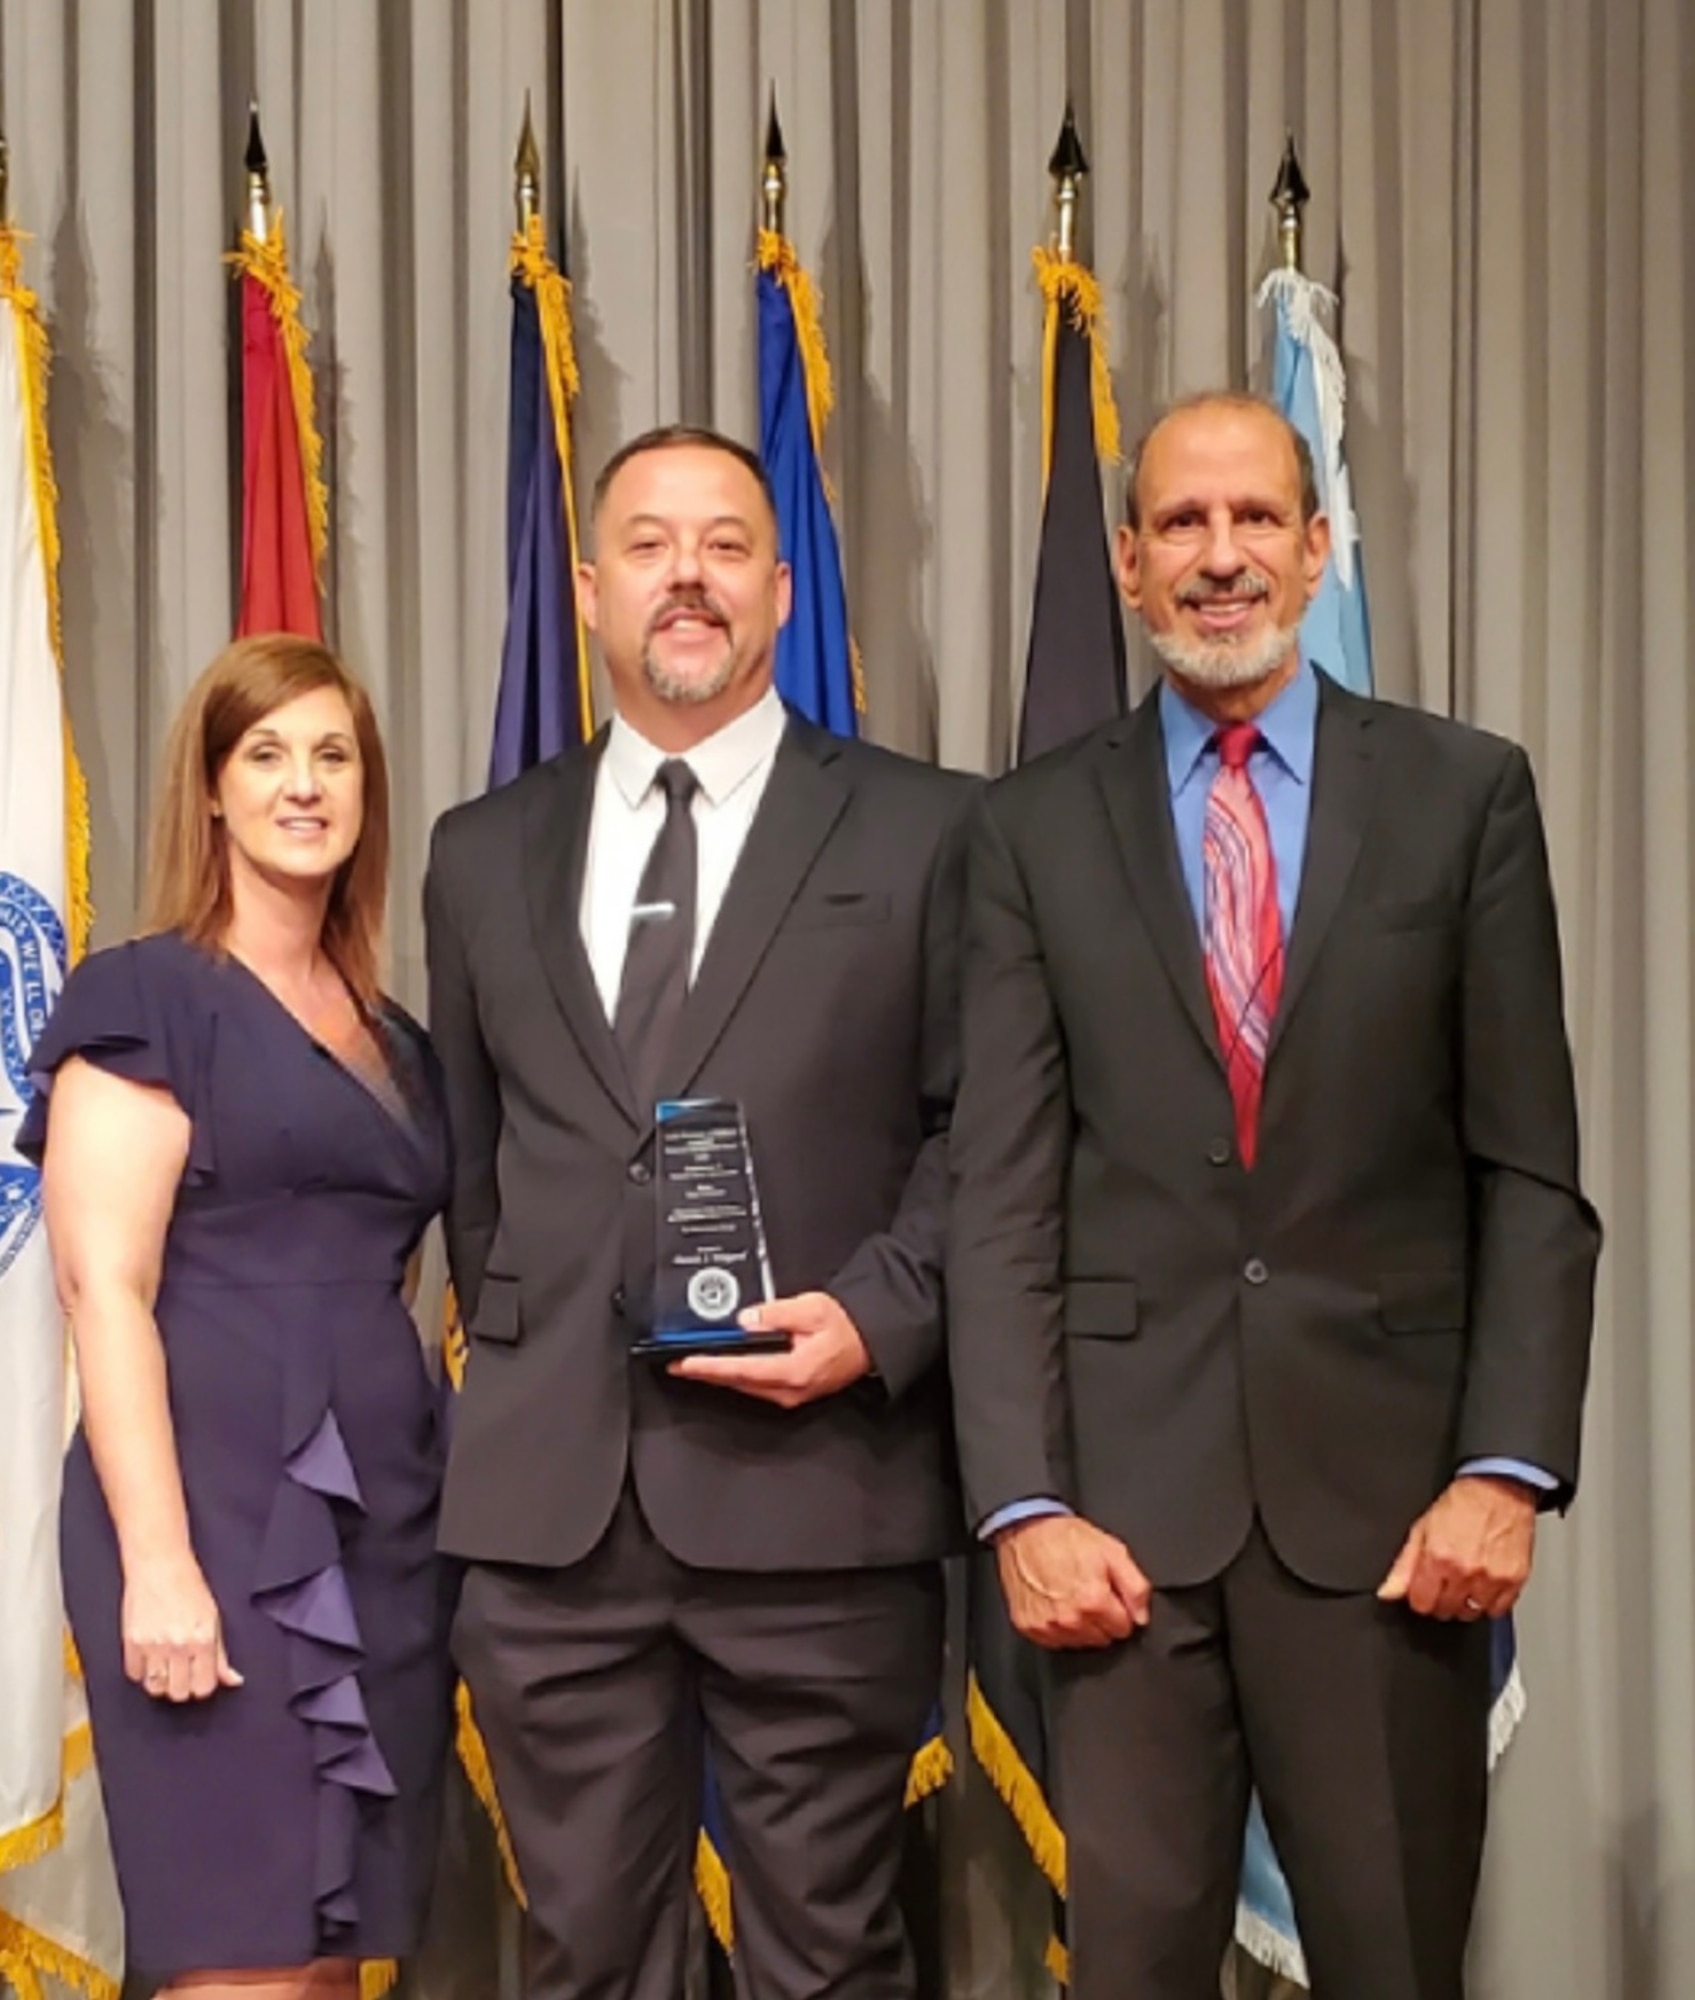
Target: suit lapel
[(804, 797), (1342, 791), (556, 840), (1137, 793)]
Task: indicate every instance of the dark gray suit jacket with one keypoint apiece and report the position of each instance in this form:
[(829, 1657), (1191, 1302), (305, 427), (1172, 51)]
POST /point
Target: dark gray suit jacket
[(1403, 1282), (825, 1003)]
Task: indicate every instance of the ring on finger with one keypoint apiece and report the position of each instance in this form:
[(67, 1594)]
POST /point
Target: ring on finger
[(1471, 1604)]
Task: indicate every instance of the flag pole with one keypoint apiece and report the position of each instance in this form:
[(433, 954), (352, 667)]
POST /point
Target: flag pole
[(1289, 196), (258, 168), (1067, 165), (774, 177)]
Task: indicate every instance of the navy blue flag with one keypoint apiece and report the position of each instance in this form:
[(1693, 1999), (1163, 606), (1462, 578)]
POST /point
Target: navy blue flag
[(542, 706), (543, 703)]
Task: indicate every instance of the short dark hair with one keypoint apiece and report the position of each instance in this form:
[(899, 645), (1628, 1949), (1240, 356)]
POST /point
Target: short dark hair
[(677, 437), (1223, 399)]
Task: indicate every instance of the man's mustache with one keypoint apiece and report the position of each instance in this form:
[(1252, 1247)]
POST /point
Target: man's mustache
[(689, 603), (1210, 589)]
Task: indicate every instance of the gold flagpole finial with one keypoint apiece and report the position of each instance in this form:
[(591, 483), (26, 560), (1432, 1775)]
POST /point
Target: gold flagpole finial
[(258, 178), (774, 180), (1067, 166), (526, 172), (1289, 197)]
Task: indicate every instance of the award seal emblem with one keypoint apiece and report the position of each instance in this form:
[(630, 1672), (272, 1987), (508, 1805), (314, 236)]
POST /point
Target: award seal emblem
[(714, 1293)]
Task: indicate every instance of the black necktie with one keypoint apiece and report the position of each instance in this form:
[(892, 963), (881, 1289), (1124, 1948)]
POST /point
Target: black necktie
[(661, 943)]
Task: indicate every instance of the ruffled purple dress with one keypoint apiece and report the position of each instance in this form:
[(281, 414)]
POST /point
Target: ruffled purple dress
[(296, 1816)]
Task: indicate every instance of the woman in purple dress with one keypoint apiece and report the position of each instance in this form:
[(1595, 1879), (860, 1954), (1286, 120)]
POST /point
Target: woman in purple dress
[(243, 1143)]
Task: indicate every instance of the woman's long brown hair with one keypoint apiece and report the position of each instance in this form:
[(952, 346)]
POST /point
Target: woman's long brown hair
[(188, 874)]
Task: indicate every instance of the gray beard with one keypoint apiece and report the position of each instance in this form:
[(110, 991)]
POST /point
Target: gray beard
[(1223, 664), (683, 691)]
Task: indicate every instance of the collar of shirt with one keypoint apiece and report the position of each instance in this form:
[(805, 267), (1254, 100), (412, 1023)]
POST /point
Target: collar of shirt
[(1289, 725), (722, 762)]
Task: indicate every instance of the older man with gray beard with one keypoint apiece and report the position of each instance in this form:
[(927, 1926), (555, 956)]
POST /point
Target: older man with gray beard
[(1270, 1278)]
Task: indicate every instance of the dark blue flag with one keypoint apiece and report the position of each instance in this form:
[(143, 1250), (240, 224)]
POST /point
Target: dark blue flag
[(543, 704)]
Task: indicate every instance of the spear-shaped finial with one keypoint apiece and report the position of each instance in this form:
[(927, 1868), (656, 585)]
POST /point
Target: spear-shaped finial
[(774, 180), (258, 177), (526, 172), (1289, 197), (1067, 166)]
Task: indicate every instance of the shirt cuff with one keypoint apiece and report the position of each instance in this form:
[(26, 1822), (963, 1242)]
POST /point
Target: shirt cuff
[(1510, 1468), (1015, 1511)]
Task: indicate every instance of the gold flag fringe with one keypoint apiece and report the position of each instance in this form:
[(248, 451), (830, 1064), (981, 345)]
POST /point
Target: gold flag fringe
[(473, 1754), (1064, 283), (712, 1886), (1058, 1961), (1007, 1771), (35, 1837), (931, 1769), (531, 262), (266, 261), (455, 1346), (777, 255), (26, 1954), (378, 1976)]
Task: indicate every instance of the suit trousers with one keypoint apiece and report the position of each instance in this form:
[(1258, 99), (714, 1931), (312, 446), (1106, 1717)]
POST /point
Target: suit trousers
[(601, 1687), (1364, 1728)]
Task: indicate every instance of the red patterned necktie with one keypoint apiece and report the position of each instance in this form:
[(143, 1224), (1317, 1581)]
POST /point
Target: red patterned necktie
[(1243, 931)]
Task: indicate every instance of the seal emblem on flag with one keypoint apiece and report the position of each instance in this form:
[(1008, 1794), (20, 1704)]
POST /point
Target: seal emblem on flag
[(32, 970)]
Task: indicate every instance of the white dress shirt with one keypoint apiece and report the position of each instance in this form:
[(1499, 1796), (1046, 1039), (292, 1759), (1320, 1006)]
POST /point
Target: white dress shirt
[(732, 767)]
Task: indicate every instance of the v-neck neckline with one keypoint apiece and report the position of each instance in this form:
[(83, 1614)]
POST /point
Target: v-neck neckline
[(411, 1132)]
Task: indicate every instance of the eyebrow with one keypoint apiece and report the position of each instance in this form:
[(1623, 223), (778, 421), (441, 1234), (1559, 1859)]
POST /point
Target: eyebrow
[(740, 521), (262, 732), (1193, 503)]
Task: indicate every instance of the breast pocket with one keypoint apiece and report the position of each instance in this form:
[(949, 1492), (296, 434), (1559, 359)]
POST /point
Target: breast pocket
[(1101, 1308), (839, 906)]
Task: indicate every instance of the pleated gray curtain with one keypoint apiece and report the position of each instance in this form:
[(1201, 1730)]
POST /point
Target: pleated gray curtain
[(1504, 200)]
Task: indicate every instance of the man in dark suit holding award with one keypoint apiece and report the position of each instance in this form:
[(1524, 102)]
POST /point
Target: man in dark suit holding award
[(671, 1549), (1271, 1280)]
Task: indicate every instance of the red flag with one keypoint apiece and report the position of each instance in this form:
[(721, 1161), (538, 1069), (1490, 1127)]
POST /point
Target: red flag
[(283, 504)]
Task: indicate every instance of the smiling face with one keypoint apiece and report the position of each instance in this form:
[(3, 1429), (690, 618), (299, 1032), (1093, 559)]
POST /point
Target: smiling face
[(1220, 563), (291, 794), (686, 592)]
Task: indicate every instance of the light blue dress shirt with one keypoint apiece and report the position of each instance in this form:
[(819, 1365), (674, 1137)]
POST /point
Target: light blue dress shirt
[(1281, 768)]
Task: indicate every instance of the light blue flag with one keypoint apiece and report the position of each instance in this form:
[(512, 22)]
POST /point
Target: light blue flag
[(1307, 385)]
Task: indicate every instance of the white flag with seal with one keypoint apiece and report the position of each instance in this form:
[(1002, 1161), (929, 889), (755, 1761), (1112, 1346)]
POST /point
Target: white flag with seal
[(58, 1904)]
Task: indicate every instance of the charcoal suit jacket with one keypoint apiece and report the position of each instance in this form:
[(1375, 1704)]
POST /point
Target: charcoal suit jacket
[(826, 1005), (1170, 1342)]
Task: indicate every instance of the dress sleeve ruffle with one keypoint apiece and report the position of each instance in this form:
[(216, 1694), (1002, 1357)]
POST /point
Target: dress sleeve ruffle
[(139, 1012)]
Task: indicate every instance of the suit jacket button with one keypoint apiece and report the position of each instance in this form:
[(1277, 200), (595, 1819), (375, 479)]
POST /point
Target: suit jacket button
[(1219, 1152), (1255, 1272), (640, 1172), (617, 1298)]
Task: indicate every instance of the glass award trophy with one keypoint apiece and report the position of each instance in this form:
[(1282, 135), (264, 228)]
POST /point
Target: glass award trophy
[(710, 1257)]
